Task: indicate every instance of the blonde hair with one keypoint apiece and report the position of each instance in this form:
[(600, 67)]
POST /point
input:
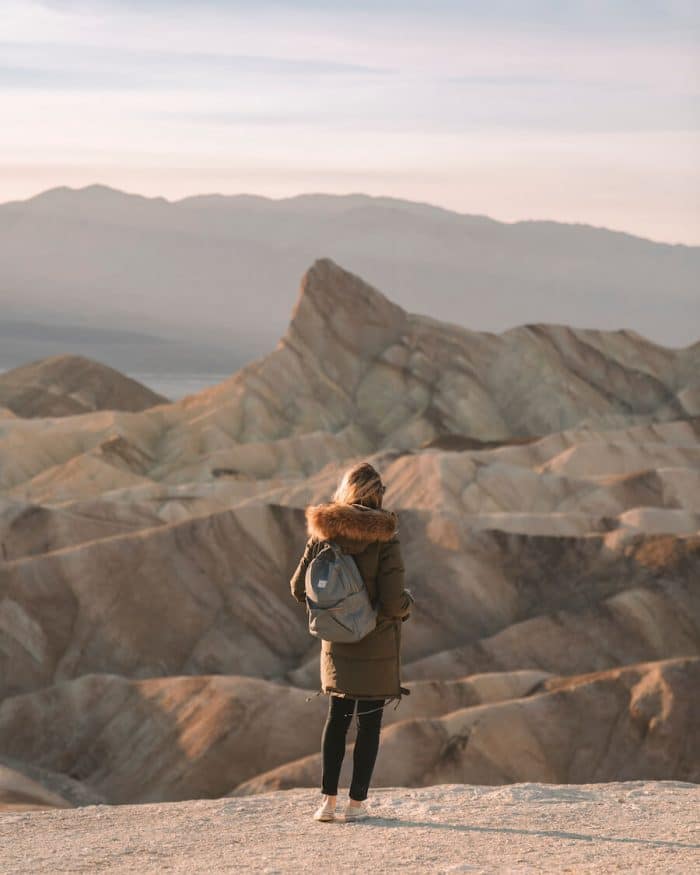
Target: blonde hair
[(360, 484)]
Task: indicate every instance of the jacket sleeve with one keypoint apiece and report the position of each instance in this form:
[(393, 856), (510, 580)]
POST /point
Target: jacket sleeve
[(297, 583), (394, 600)]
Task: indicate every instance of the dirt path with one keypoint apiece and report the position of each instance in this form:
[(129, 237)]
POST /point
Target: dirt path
[(636, 826)]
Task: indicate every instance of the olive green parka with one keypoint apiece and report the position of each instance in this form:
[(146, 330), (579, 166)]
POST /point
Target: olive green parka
[(370, 668)]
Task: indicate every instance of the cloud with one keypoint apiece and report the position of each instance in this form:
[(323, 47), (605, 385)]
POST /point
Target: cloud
[(590, 16), (90, 68), (365, 87)]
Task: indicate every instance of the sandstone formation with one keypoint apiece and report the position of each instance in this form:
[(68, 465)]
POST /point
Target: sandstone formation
[(165, 600), (30, 529), (67, 385), (186, 598), (22, 793), (634, 723), (547, 486), (57, 785), (183, 738), (355, 374)]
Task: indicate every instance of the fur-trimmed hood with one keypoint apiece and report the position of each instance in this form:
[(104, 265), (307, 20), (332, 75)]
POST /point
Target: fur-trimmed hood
[(353, 521)]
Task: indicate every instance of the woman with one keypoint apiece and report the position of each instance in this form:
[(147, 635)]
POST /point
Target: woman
[(366, 673)]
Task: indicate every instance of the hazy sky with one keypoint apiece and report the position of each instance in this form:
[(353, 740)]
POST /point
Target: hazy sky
[(573, 110)]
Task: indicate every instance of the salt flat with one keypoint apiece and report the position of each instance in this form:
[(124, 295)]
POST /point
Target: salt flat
[(640, 826)]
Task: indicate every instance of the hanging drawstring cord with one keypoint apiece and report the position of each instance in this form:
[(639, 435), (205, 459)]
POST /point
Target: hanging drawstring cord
[(357, 712)]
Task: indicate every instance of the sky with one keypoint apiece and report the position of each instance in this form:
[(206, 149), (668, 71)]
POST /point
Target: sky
[(569, 110)]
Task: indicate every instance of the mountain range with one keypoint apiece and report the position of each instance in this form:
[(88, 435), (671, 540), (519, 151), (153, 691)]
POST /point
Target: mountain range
[(209, 278)]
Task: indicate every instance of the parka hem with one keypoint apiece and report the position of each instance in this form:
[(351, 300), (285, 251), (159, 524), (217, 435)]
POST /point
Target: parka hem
[(324, 690)]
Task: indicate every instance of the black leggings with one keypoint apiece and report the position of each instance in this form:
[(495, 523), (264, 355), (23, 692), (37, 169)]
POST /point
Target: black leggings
[(340, 712)]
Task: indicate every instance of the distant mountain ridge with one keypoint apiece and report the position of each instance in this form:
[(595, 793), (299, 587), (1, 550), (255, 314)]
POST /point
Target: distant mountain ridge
[(217, 269), (135, 352)]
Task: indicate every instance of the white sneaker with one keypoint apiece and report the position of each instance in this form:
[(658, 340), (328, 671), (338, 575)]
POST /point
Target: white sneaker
[(326, 811), (356, 812)]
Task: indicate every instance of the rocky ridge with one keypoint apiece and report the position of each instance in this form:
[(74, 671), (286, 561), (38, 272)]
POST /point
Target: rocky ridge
[(68, 385)]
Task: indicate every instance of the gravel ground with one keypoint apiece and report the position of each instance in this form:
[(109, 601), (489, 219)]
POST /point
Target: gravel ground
[(637, 826)]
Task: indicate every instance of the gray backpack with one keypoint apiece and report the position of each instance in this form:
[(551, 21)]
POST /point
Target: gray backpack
[(337, 598)]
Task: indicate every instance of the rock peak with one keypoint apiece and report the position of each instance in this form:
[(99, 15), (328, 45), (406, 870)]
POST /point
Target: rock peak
[(336, 307)]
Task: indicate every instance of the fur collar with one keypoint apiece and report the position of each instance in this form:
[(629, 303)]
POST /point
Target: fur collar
[(352, 521)]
